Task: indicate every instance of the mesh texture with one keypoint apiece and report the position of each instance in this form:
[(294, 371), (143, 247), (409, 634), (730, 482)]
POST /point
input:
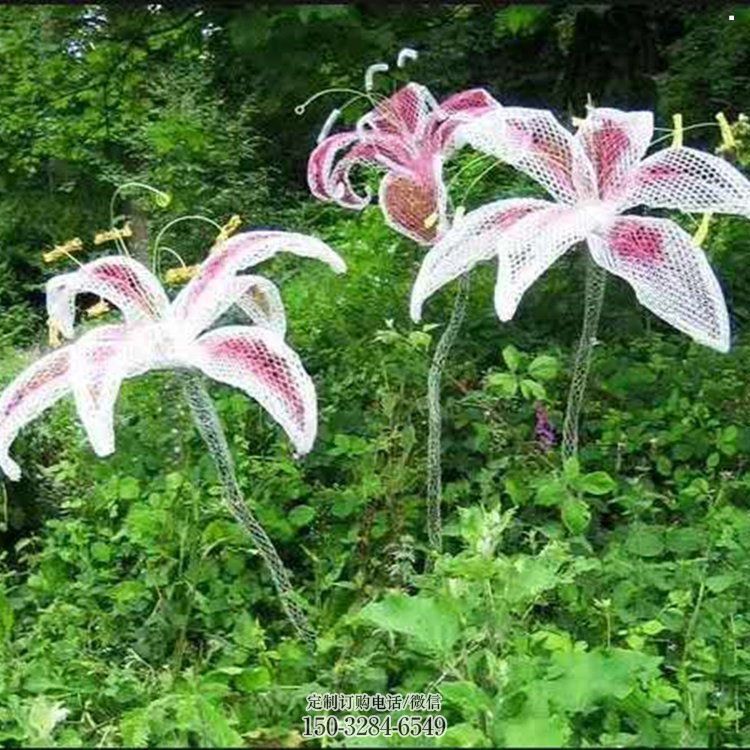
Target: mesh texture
[(156, 335), (595, 175)]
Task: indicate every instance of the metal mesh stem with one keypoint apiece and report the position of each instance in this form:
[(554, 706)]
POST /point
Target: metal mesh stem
[(442, 351), (596, 278), (210, 429)]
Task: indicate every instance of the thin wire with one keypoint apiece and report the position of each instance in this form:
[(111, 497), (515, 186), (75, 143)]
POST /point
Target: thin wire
[(670, 132), (192, 217)]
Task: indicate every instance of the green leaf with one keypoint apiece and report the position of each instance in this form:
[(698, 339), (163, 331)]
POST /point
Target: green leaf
[(505, 383), (301, 516), (253, 680), (544, 367), (512, 357), (597, 483), (579, 679), (571, 469), (552, 492), (532, 389), (431, 624), (576, 515), (463, 735), (129, 488), (469, 698), (645, 542), (727, 442)]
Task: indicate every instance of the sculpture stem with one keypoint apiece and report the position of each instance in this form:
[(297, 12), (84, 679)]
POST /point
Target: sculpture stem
[(210, 429), (442, 350), (596, 278)]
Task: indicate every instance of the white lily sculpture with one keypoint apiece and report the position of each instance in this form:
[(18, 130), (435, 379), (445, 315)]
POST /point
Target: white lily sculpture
[(157, 334), (594, 177)]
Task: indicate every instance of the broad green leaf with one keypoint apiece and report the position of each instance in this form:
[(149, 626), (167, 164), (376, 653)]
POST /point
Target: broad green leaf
[(597, 483), (544, 367), (576, 515), (552, 492), (532, 389), (469, 698), (512, 357), (505, 383), (645, 541), (301, 515), (430, 624), (571, 468)]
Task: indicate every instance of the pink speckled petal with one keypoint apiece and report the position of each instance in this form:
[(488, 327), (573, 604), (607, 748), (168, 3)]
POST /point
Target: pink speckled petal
[(670, 275), (257, 361)]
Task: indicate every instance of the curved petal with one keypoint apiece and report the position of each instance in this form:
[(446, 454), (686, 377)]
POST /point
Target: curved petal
[(670, 275), (532, 246), (473, 240), (456, 111), (34, 390), (532, 141), (122, 281), (98, 364), (416, 206), (689, 180), (328, 179), (258, 362), (613, 142), (261, 301), (198, 304), (405, 114)]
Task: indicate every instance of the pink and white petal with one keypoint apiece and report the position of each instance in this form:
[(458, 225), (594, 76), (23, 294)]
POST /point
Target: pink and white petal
[(99, 362), (257, 361), (196, 306), (614, 142), (405, 114), (36, 388), (688, 180), (261, 301), (325, 180), (531, 246), (455, 111), (532, 141), (120, 280), (669, 273), (416, 206), (473, 240)]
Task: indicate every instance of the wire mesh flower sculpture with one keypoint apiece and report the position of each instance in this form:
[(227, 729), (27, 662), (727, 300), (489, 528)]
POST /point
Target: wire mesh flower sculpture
[(409, 135), (158, 335), (594, 177), (178, 335)]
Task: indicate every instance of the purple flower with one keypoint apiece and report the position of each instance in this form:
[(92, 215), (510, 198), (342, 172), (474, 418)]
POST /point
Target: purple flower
[(544, 432)]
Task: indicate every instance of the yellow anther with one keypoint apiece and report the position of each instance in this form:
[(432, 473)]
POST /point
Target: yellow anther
[(577, 121), (97, 310), (702, 232), (431, 220), (113, 234), (181, 275), (54, 334), (727, 136), (232, 225), (677, 133), (62, 251)]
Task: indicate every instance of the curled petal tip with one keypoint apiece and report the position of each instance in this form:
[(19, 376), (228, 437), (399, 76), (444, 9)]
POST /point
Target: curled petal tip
[(10, 468), (407, 53), (415, 308)]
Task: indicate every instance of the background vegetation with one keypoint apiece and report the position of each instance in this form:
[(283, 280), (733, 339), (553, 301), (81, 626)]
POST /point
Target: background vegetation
[(600, 603)]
